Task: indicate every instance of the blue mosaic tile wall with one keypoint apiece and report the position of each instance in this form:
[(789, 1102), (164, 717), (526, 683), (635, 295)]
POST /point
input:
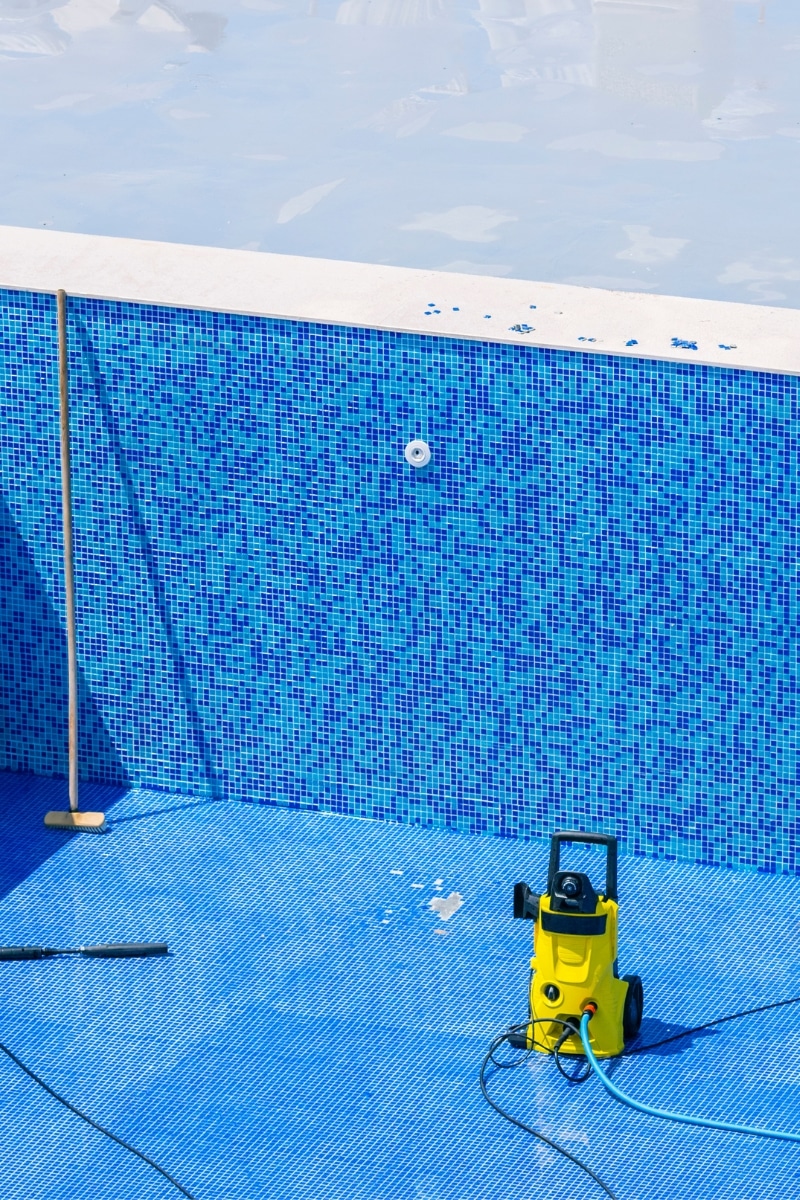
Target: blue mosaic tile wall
[(583, 612)]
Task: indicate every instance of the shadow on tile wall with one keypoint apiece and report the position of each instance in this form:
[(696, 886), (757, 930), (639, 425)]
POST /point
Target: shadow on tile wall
[(33, 677), (139, 539), (33, 716)]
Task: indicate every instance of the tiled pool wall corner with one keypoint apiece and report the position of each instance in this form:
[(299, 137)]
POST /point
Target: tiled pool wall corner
[(582, 613)]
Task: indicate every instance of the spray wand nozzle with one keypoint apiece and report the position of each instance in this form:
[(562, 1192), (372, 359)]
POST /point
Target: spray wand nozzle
[(109, 950)]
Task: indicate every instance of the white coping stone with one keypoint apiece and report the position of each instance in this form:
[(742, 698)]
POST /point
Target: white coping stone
[(381, 297)]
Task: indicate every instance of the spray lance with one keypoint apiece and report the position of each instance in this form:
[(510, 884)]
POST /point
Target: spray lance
[(107, 950)]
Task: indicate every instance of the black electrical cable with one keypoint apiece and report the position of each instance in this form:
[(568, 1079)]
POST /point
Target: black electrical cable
[(498, 1041), (584, 1068), (96, 1124), (495, 1045), (673, 1037), (569, 1028), (747, 1012)]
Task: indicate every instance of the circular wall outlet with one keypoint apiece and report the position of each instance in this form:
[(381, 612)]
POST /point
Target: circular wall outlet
[(418, 453)]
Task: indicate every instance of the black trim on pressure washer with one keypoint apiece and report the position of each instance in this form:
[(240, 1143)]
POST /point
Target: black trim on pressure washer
[(577, 926)]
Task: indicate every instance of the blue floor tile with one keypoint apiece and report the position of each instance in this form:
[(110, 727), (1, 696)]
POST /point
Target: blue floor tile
[(316, 1032)]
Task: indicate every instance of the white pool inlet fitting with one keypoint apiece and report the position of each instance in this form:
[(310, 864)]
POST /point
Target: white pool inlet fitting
[(418, 453)]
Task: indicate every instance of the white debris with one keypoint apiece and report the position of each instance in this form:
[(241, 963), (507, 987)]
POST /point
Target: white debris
[(395, 872), (445, 906)]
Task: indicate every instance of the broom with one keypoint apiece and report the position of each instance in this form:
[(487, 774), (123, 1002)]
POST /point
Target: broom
[(89, 822)]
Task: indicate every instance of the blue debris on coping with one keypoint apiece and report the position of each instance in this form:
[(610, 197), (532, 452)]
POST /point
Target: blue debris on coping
[(632, 342), (295, 1046), (723, 346), (683, 344), (521, 328)]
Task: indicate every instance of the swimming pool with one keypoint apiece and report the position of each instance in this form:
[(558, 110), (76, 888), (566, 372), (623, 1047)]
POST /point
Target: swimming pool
[(582, 611)]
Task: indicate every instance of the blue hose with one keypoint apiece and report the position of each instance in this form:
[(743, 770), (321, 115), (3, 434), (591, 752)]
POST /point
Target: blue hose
[(681, 1118)]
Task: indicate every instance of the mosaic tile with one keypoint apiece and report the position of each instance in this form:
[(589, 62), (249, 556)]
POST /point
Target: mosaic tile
[(316, 1030), (582, 612)]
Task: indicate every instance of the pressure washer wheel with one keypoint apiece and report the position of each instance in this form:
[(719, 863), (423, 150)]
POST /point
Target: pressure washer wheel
[(634, 1007)]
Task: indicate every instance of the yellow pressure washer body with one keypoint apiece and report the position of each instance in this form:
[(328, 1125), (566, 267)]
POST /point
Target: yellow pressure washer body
[(575, 958)]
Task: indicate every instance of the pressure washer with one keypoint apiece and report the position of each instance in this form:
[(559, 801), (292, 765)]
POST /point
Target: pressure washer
[(575, 958), (578, 1006)]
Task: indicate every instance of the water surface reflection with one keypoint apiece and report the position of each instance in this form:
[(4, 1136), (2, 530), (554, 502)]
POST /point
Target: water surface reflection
[(634, 143)]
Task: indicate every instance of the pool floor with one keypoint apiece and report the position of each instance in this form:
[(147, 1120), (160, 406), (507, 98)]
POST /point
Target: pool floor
[(316, 1032)]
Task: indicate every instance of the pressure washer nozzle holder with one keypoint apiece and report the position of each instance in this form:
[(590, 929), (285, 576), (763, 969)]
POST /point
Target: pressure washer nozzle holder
[(526, 903), (574, 966)]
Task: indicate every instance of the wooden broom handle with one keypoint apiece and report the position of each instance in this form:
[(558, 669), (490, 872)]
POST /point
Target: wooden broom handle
[(69, 569)]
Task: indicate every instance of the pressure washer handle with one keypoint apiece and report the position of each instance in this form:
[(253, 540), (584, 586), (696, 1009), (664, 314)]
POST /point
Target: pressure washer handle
[(592, 839), (125, 950)]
